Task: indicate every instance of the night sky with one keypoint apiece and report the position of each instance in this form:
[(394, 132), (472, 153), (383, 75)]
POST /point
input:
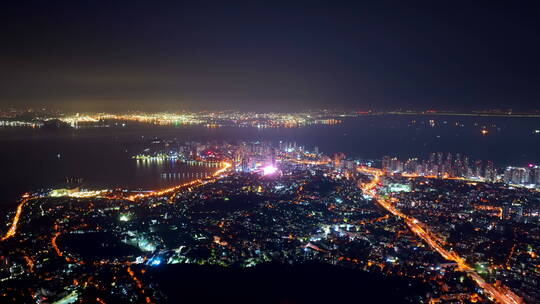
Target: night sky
[(273, 55)]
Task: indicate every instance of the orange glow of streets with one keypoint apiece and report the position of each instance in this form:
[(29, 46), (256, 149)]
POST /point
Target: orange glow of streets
[(138, 283), (26, 197), (55, 246), (13, 229), (29, 263), (500, 295), (309, 162), (100, 301), (197, 182)]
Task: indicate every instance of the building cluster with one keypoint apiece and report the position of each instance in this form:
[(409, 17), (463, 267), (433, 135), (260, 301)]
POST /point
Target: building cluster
[(529, 175), (442, 165), (97, 247), (450, 165), (285, 203), (495, 228), (250, 156)]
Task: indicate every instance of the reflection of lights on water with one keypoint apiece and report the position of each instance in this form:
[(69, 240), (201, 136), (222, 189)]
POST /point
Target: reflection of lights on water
[(268, 170)]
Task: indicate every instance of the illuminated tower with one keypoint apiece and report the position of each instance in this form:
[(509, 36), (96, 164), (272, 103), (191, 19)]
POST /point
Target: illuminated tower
[(478, 168), (490, 173), (385, 163), (338, 158)]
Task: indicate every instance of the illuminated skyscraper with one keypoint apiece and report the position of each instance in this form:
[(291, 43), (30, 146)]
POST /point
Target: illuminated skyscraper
[(338, 158), (490, 173), (478, 168), (385, 163)]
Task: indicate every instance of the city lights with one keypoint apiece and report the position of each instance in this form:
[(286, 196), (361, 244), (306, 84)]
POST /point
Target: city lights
[(324, 205), (268, 152), (269, 170)]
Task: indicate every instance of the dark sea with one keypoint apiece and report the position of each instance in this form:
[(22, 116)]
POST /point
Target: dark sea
[(34, 158)]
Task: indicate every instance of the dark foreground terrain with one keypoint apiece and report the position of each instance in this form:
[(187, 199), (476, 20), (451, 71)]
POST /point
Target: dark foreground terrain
[(279, 283)]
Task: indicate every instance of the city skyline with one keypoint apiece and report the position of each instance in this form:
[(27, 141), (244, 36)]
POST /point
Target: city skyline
[(300, 152), (258, 185)]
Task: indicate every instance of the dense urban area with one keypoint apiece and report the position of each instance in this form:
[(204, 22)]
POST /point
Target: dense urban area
[(466, 229), (45, 117), (270, 152)]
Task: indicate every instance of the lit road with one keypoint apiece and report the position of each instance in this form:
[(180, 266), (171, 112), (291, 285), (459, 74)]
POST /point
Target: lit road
[(226, 166), (26, 197), (13, 228), (309, 162), (498, 294), (169, 191)]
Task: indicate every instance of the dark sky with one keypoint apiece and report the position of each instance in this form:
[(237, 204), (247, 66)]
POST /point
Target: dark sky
[(273, 55)]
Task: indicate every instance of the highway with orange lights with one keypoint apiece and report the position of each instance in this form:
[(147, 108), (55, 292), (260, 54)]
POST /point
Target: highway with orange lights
[(497, 294), (26, 197), (163, 192), (13, 228), (309, 162), (225, 166)]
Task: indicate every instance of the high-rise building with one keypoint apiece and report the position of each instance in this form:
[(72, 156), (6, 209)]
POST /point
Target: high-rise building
[(466, 167), (396, 165), (517, 175), (338, 158), (411, 165), (490, 172), (535, 175), (385, 163), (478, 168), (349, 164)]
